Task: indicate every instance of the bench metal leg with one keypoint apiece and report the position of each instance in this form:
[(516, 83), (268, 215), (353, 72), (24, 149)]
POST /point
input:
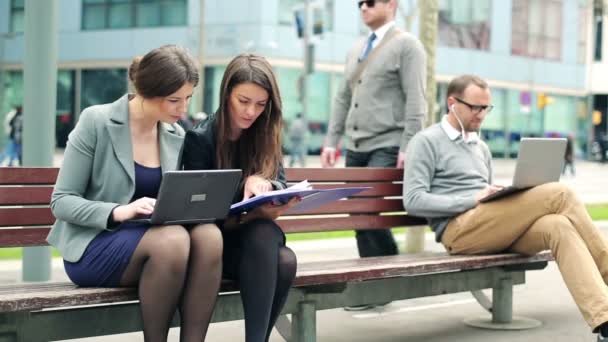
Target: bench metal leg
[(501, 310), (304, 323), (283, 326), (8, 328), (14, 328)]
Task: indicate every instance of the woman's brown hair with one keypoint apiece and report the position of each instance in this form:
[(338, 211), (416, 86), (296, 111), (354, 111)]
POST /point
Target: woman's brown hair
[(162, 71), (259, 147)]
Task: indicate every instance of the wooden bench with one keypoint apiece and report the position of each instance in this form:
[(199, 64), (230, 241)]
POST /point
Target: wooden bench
[(51, 311)]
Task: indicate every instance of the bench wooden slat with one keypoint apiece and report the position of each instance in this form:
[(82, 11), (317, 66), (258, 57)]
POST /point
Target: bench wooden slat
[(357, 206), (351, 270), (19, 195), (363, 174), (22, 297), (23, 237), (348, 223), (28, 237), (25, 175), (10, 217), (378, 189)]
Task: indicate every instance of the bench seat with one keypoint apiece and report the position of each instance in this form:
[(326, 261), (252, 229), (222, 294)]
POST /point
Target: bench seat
[(52, 311), (35, 296)]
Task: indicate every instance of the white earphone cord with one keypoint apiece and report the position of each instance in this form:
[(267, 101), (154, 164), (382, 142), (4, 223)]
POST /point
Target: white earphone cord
[(462, 127)]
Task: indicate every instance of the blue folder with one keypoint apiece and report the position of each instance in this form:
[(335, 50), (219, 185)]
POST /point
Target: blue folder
[(311, 198)]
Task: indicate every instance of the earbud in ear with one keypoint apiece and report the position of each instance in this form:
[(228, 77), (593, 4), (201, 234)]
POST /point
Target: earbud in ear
[(452, 107)]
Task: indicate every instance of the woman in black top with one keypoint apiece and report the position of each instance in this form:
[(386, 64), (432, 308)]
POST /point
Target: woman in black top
[(245, 133)]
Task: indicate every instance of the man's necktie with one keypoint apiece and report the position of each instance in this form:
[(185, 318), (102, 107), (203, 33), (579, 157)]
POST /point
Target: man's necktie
[(368, 47)]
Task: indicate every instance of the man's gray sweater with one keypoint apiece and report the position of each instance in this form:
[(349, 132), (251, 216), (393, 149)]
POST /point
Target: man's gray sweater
[(442, 176), (388, 105)]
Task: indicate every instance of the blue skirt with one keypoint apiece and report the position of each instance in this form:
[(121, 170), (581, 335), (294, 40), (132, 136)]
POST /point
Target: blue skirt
[(106, 257)]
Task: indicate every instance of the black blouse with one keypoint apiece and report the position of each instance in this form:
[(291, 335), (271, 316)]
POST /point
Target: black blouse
[(198, 153)]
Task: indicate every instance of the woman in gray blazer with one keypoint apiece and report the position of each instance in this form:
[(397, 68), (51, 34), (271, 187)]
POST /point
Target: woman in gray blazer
[(111, 173)]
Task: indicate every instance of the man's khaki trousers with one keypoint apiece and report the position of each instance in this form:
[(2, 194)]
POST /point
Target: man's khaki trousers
[(548, 216)]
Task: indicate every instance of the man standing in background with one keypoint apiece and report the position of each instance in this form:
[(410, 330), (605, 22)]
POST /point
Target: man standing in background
[(380, 106)]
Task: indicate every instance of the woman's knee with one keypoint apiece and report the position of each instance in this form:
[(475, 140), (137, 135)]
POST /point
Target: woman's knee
[(171, 243), (262, 233), (206, 239), (288, 263)]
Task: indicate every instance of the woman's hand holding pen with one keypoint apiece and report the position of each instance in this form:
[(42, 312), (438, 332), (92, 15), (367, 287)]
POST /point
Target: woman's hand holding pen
[(255, 185)]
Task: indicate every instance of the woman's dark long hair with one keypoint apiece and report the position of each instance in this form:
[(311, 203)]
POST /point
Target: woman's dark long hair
[(259, 146)]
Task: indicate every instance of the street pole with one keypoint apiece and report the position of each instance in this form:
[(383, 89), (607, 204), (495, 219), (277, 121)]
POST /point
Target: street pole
[(40, 85), (2, 38), (200, 104), (307, 60), (428, 9)]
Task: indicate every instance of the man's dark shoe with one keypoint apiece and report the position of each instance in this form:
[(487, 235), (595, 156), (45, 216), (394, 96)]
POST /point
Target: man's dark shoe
[(361, 307)]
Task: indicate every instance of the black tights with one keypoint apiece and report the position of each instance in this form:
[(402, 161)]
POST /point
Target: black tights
[(256, 257), (175, 268)]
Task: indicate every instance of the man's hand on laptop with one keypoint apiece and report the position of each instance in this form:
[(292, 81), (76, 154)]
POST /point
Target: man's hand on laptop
[(490, 189), (142, 206), (255, 185)]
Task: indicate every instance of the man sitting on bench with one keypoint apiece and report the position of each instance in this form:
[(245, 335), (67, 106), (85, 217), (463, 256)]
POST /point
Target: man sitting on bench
[(448, 170)]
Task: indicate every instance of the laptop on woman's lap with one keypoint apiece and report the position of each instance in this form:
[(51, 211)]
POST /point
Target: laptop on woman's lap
[(193, 197)]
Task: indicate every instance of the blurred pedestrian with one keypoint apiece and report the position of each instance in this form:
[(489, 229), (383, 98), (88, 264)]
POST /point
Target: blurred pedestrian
[(603, 142), (13, 126), (297, 137), (569, 156)]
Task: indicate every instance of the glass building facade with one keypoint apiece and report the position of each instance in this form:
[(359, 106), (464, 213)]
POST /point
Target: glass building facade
[(525, 49)]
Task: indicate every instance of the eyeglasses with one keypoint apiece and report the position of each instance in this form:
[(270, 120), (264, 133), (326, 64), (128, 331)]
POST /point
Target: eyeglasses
[(476, 109), (369, 3)]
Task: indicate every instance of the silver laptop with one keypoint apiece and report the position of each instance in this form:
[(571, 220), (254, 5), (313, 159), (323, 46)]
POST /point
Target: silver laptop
[(540, 161), (200, 196)]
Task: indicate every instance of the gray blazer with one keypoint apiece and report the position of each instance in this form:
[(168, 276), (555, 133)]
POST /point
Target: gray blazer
[(98, 174), (388, 105)]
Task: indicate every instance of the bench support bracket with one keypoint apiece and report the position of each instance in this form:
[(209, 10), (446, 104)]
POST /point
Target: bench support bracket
[(304, 323), (501, 309)]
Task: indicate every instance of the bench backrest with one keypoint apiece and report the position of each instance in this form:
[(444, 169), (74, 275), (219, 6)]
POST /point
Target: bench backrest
[(25, 193)]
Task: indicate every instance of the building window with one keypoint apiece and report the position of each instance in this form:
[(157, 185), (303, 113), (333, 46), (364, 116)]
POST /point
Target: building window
[(102, 86), (114, 14), (286, 8), (465, 23), (17, 15), (322, 13), (537, 28), (64, 122), (598, 21)]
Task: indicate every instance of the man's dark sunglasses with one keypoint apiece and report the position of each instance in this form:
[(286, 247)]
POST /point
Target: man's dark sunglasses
[(369, 3), (476, 109)]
